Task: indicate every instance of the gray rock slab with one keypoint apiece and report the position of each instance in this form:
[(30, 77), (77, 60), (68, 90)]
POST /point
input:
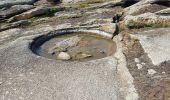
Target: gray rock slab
[(30, 13), (156, 43), (163, 12), (7, 3), (24, 75), (16, 9)]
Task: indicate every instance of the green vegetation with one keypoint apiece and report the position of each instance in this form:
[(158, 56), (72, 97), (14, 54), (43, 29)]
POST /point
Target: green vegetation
[(52, 11)]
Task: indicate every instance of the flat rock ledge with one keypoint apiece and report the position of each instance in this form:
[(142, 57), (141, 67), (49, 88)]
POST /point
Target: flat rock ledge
[(156, 44)]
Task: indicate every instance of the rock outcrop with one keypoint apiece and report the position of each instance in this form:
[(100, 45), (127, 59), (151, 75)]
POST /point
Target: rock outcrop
[(31, 13), (8, 3), (163, 12), (14, 10), (147, 20), (143, 4)]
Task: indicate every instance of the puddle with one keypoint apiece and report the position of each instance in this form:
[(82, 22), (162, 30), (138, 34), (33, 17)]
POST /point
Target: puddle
[(81, 46)]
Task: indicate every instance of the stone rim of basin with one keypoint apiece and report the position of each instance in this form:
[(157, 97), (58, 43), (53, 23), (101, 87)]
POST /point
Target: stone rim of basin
[(40, 40)]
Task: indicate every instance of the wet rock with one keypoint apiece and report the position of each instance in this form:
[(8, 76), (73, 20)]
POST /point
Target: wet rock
[(16, 9), (147, 20), (151, 71), (82, 55), (64, 44), (14, 25), (29, 14), (7, 3), (69, 42), (63, 56)]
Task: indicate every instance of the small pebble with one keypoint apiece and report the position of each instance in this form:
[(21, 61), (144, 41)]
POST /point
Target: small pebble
[(139, 66), (143, 63), (151, 71), (63, 56), (102, 52), (137, 60), (163, 72)]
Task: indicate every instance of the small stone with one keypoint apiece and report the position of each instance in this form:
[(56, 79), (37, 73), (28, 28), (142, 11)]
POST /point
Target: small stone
[(143, 63), (139, 66), (102, 52), (163, 72), (137, 60), (63, 56), (151, 71)]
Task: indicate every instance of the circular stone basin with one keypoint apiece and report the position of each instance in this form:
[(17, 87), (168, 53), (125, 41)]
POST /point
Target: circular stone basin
[(76, 45)]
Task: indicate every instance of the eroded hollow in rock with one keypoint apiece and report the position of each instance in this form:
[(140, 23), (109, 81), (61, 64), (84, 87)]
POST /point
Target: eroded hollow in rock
[(73, 45)]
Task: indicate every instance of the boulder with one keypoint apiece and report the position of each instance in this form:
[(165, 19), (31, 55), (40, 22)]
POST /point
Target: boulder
[(63, 56), (29, 14), (14, 10), (8, 3)]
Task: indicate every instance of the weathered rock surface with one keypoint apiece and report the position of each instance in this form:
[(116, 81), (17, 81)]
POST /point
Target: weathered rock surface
[(110, 28), (9, 34), (147, 20), (7, 3), (156, 44), (14, 25), (27, 76), (31, 13), (16, 9), (143, 4), (144, 9)]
